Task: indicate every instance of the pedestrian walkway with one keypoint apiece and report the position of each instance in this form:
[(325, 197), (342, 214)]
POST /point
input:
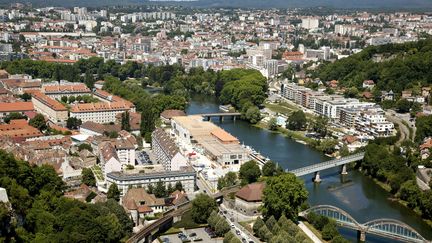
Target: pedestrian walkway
[(309, 233)]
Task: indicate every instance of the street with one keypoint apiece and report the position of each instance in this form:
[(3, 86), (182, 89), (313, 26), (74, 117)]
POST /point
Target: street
[(234, 218)]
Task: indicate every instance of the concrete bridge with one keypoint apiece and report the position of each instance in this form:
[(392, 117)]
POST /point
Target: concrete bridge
[(173, 215), (221, 116), (316, 168), (388, 228)]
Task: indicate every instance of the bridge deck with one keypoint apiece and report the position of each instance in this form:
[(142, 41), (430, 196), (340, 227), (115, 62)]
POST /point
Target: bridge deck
[(220, 114), (327, 165)]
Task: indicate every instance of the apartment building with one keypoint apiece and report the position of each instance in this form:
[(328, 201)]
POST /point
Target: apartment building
[(166, 151), (124, 181), (50, 108), (102, 112)]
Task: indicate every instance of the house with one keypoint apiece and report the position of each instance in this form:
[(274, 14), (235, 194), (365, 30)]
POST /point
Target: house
[(425, 148), (249, 198), (108, 158), (138, 203), (387, 95), (426, 91), (19, 130), (368, 84)]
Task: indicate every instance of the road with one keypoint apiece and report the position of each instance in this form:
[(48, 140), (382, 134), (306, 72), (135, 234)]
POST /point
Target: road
[(404, 130), (234, 217)]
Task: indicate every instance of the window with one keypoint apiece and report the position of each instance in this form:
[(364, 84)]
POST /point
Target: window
[(233, 156)]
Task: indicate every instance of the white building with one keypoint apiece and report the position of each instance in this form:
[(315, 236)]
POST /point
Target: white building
[(166, 151), (310, 23)]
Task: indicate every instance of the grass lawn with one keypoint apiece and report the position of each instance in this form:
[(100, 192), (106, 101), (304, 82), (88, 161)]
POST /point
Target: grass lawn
[(97, 171), (247, 226), (186, 221)]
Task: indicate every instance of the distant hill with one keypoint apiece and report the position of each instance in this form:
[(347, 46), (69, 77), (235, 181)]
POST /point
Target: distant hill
[(380, 4)]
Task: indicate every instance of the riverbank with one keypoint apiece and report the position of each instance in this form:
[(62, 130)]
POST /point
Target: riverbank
[(401, 202)]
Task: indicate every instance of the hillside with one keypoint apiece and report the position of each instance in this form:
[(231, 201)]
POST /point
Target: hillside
[(402, 66)]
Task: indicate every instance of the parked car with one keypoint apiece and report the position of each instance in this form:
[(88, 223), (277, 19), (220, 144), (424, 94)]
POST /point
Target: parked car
[(193, 234)]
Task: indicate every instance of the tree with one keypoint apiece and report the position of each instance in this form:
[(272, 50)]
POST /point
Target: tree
[(249, 172), (64, 99), (415, 108), (14, 116), (160, 189), (222, 227), (71, 99), (403, 106), (125, 121), (271, 222), (328, 146), (150, 188), (257, 225), (426, 204), (284, 195), (410, 192), (329, 231), (202, 206), (213, 219), (340, 239), (253, 115), (297, 121), (87, 177), (26, 96), (272, 124), (264, 233), (228, 237), (113, 192), (270, 168), (73, 123), (38, 122), (320, 126), (178, 186), (85, 146)]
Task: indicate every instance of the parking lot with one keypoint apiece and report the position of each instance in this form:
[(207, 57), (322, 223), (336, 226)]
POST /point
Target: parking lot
[(200, 234)]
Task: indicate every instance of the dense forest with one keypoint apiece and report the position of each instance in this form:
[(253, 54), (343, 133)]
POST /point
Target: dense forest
[(393, 67), (41, 214)]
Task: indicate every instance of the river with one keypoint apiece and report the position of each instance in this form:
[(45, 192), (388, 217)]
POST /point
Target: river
[(358, 195)]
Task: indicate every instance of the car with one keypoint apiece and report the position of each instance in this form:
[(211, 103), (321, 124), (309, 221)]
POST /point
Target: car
[(238, 232), (232, 226), (165, 240), (244, 240), (225, 212), (193, 234)]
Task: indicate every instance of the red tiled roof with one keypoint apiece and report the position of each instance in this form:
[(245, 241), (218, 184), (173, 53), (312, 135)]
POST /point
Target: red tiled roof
[(16, 107), (252, 192)]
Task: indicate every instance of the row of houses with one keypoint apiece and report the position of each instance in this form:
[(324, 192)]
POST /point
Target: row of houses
[(366, 117)]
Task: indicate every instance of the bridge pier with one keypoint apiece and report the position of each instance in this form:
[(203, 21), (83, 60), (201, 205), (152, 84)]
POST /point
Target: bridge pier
[(361, 235), (234, 118), (221, 118), (344, 170), (208, 118), (317, 178)]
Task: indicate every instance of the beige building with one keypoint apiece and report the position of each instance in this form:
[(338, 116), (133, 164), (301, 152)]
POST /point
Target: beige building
[(101, 112), (216, 143), (50, 108)]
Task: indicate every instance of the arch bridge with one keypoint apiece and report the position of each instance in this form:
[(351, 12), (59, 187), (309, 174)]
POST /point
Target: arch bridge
[(389, 228)]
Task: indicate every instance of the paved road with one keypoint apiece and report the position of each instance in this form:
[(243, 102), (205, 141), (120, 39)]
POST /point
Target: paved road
[(236, 218), (404, 131), (309, 233)]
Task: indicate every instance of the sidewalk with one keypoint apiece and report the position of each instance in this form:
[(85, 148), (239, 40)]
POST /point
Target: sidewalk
[(309, 233)]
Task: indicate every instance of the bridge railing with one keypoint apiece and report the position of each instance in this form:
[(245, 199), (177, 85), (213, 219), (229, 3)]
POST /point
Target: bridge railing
[(391, 228), (327, 164)]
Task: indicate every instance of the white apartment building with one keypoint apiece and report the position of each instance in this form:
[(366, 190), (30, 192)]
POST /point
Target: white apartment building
[(57, 91), (310, 23), (101, 112), (166, 151), (187, 177)]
